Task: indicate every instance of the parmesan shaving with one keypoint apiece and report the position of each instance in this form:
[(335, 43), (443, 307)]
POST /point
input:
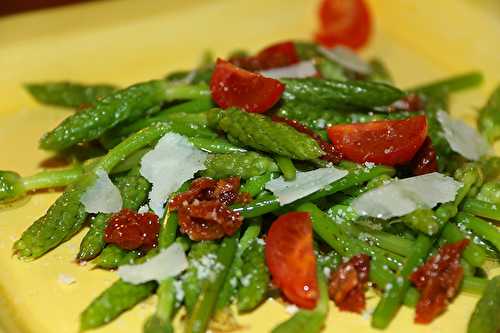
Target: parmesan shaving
[(304, 184), (168, 263), (103, 196), (346, 58), (401, 197), (462, 138), (296, 71), (173, 161)]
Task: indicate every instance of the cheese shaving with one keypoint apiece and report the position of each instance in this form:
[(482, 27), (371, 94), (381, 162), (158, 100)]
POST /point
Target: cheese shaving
[(346, 58), (173, 161), (462, 138), (401, 197), (103, 196), (296, 71), (304, 184), (168, 263)]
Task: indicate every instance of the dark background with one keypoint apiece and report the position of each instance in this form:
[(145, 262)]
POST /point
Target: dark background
[(9, 7)]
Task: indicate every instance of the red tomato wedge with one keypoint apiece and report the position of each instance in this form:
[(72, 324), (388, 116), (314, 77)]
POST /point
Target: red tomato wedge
[(291, 260), (235, 87), (389, 142), (277, 55), (344, 22)]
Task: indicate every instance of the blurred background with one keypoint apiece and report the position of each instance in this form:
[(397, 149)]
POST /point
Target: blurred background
[(10, 7)]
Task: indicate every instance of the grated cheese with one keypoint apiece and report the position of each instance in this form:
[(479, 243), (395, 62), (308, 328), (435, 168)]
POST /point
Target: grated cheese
[(103, 196), (401, 197), (304, 184), (168, 263), (173, 161)]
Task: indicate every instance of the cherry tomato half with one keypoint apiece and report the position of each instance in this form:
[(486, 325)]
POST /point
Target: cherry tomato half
[(235, 87), (344, 22), (389, 142), (290, 258)]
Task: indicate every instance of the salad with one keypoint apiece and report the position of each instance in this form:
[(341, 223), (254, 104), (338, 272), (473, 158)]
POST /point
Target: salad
[(300, 172)]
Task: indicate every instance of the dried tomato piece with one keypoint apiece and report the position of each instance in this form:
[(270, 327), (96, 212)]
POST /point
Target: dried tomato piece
[(197, 187), (347, 284), (208, 220), (203, 209), (130, 230), (438, 281), (331, 154), (425, 160), (276, 55)]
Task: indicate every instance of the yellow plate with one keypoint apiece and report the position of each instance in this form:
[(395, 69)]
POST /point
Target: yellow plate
[(128, 41)]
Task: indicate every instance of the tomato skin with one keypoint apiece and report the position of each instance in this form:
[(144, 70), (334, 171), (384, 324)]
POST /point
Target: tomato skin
[(235, 87), (290, 258), (344, 22), (276, 55), (388, 142)]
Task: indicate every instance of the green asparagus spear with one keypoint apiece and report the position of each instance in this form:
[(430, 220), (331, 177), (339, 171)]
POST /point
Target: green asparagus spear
[(229, 289), (115, 300), (328, 93), (131, 102), (286, 166), (261, 133), (488, 121), (243, 165), (490, 192), (133, 189), (67, 215), (215, 145), (68, 94), (394, 296), (480, 227), (486, 315), (254, 277), (185, 118), (13, 186), (473, 253), (482, 209), (202, 259), (113, 257), (452, 84), (159, 322), (255, 185), (309, 321), (205, 304)]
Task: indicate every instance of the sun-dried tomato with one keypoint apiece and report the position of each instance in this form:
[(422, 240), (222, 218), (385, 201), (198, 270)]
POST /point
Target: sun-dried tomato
[(425, 160), (130, 230), (208, 220), (198, 186), (276, 55), (347, 284), (438, 281), (331, 154), (203, 209)]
